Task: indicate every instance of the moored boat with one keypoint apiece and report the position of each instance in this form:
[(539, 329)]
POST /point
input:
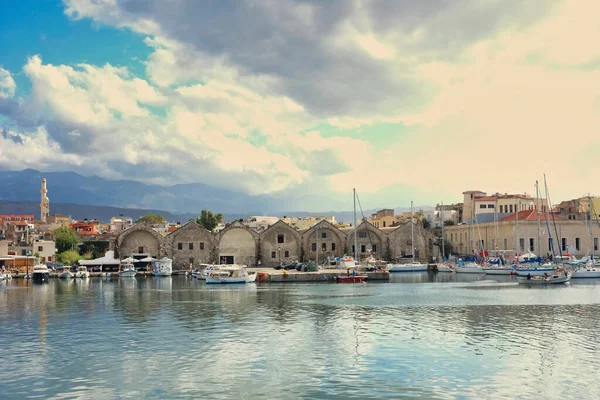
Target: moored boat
[(545, 280), (469, 268), (235, 275), (66, 273), (40, 273), (445, 267), (586, 272), (498, 270), (82, 273), (128, 271), (350, 278), (409, 267), (5, 276), (162, 267), (536, 271)]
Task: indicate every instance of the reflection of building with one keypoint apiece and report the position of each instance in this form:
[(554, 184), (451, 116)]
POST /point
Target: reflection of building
[(238, 244)]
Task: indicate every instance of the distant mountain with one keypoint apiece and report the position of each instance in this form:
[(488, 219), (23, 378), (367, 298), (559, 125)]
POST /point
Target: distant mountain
[(70, 187)]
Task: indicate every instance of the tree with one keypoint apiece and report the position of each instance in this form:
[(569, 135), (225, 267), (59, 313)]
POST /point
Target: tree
[(69, 257), (425, 223), (65, 238), (152, 219), (209, 220), (449, 222)]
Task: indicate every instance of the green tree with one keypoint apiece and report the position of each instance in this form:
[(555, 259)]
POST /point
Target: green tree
[(69, 257), (449, 223), (152, 219), (425, 223), (65, 239), (209, 220)]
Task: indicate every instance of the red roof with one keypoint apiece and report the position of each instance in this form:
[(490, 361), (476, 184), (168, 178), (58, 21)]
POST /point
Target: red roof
[(485, 198), (531, 215)]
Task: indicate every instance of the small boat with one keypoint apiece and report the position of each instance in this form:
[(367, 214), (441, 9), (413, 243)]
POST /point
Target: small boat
[(469, 268), (445, 268), (235, 275), (40, 273), (128, 271), (536, 271), (217, 271), (350, 278), (66, 274), (410, 267), (162, 267), (82, 273), (545, 280)]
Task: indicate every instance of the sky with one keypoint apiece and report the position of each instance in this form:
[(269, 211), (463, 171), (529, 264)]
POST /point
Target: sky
[(405, 100)]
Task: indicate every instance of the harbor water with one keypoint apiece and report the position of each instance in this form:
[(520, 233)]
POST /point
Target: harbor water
[(419, 336)]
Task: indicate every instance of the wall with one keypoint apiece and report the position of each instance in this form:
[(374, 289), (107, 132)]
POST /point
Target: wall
[(268, 244), (130, 240), (332, 236), (202, 241), (240, 242)]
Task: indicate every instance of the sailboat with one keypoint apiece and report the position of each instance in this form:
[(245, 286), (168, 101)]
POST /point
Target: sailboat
[(413, 266), (352, 277)]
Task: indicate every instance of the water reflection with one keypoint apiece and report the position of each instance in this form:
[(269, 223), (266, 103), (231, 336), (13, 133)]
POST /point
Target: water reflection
[(155, 337)]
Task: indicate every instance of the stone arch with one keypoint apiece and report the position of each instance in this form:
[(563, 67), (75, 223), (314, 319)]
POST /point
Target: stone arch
[(369, 238), (333, 242), (286, 251), (191, 243), (140, 237), (400, 242), (237, 244)]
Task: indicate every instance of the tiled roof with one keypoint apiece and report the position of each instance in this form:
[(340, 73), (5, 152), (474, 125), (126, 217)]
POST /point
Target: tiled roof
[(531, 215)]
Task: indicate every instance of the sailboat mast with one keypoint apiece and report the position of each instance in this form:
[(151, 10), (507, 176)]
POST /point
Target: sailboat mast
[(412, 231), (517, 249), (355, 234), (591, 229), (537, 197), (442, 215)]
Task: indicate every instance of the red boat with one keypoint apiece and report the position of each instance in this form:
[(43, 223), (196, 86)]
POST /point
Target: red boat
[(350, 278)]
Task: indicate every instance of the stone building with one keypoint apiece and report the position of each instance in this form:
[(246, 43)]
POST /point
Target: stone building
[(400, 243), (190, 244), (330, 241), (140, 239), (371, 241), (238, 244), (280, 243)]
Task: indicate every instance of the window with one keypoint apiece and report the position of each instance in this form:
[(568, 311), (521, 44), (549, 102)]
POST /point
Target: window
[(280, 239), (491, 205), (201, 245), (577, 244), (374, 248), (482, 244), (521, 244), (286, 254), (323, 246), (353, 249), (501, 209), (550, 244), (505, 244), (314, 247), (179, 246), (531, 244), (191, 246), (140, 249), (564, 244), (363, 248), (482, 206), (383, 224), (595, 243), (511, 208), (323, 235), (40, 248), (362, 234), (191, 260), (273, 254), (332, 246)]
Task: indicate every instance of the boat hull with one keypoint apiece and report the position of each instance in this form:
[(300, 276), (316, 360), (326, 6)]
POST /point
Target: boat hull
[(40, 277), (545, 281), (534, 272), (66, 275), (166, 273), (127, 274), (229, 280), (350, 279), (469, 270), (586, 273), (82, 275), (444, 268), (498, 271), (408, 268)]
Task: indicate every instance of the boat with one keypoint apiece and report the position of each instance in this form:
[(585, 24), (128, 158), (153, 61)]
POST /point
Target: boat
[(352, 278), (413, 266), (235, 275), (545, 280), (66, 273), (162, 267), (536, 271), (346, 262), (82, 273), (127, 271), (5, 276), (409, 267), (216, 270), (498, 270), (445, 267), (586, 271), (41, 273), (469, 268)]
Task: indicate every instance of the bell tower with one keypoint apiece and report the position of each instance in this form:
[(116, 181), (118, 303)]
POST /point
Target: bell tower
[(44, 203)]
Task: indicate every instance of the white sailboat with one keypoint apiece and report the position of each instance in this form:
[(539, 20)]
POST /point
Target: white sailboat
[(413, 266), (469, 268), (82, 273)]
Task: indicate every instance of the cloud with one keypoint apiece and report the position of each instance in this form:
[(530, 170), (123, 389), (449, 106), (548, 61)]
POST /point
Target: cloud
[(7, 84)]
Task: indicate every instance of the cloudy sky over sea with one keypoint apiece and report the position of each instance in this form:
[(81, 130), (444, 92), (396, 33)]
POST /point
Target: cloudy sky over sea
[(403, 100)]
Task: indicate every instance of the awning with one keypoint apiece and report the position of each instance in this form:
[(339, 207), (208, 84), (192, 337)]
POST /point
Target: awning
[(147, 259)]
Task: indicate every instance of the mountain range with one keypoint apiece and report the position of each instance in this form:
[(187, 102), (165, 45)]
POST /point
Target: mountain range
[(95, 197)]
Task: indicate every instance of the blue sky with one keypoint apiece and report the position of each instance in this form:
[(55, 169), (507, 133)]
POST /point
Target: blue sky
[(402, 100)]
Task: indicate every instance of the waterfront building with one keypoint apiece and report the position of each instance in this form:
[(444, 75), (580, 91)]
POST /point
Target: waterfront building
[(280, 243), (190, 244), (371, 241), (44, 250), (238, 244), (383, 218), (305, 223), (324, 236)]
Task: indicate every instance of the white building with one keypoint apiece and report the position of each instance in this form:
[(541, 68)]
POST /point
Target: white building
[(260, 223), (119, 224)]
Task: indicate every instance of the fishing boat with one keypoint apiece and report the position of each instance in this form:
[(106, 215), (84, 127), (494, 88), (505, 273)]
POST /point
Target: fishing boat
[(350, 278), (162, 267), (536, 270), (66, 273), (545, 280), (413, 266), (127, 271), (235, 275), (40, 273), (82, 273), (217, 271)]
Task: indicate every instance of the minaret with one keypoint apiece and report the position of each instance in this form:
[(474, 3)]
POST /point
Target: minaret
[(45, 203)]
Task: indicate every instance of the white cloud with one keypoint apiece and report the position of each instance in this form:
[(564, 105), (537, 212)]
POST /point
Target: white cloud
[(7, 84)]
